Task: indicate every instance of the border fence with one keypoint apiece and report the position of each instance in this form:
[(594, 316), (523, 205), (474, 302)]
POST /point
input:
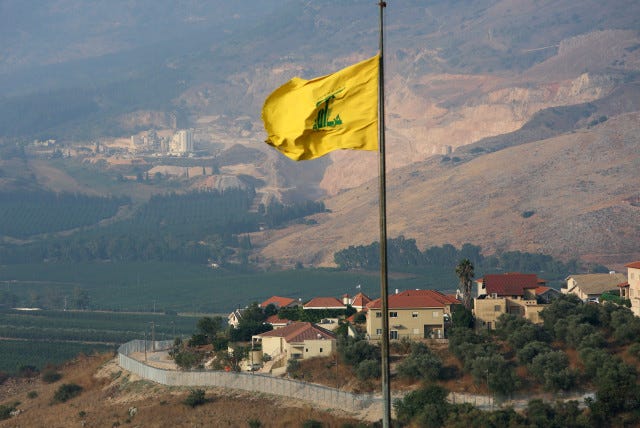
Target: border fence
[(256, 382)]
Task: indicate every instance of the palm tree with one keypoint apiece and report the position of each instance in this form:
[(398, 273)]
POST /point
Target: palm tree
[(465, 273)]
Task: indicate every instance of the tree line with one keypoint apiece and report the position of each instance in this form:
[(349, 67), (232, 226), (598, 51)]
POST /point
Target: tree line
[(190, 227), (403, 253)]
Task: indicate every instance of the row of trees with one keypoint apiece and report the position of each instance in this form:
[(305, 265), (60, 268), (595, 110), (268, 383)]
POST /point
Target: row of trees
[(403, 253), (193, 227), (26, 214)]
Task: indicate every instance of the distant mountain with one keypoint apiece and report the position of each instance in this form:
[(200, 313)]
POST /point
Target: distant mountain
[(473, 89)]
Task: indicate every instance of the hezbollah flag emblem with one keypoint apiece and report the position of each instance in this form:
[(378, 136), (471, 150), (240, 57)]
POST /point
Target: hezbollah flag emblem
[(306, 119)]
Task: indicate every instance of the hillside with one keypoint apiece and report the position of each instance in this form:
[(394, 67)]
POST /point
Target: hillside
[(465, 80), (583, 196), (109, 394)]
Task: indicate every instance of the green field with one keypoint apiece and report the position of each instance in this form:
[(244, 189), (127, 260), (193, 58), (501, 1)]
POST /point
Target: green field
[(160, 287), (39, 338)]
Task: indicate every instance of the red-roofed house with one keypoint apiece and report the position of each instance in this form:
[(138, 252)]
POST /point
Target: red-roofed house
[(324, 303), (299, 340), (633, 278), (508, 293), (546, 294), (415, 314), (511, 284), (279, 302), (359, 301), (277, 322)]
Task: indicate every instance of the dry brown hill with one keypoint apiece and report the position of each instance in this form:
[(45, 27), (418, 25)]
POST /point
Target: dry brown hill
[(574, 195), (110, 396)]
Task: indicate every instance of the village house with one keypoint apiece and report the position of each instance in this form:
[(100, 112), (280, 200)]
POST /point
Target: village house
[(509, 293), (318, 303), (298, 340), (233, 319), (414, 314), (633, 281), (358, 302), (593, 285), (279, 302)]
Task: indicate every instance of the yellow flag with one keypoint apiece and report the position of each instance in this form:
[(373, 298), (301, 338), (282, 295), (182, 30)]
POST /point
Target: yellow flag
[(306, 119)]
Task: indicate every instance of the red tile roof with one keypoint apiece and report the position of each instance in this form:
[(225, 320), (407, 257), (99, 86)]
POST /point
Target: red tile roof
[(416, 299), (279, 302), (542, 289), (623, 284), (324, 303), (276, 320), (634, 265), (360, 300), (511, 283), (299, 332)]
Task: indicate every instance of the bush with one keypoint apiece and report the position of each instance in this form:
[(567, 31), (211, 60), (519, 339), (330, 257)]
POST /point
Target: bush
[(66, 392), (532, 350), (429, 404), (634, 350), (195, 398), (368, 369), (5, 411), (51, 376), (28, 371), (32, 394), (293, 365), (420, 364)]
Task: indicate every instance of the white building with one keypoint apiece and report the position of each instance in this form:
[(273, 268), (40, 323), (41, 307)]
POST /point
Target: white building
[(182, 142)]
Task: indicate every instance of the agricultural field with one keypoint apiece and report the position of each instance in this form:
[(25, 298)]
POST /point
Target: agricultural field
[(180, 288), (38, 338)]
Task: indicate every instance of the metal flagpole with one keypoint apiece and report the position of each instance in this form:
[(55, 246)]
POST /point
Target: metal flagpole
[(384, 294)]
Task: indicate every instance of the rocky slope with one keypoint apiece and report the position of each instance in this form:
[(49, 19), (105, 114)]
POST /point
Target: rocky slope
[(580, 187)]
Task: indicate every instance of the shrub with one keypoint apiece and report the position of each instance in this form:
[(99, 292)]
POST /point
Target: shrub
[(5, 411), (429, 404), (32, 394), (195, 398), (66, 392), (421, 364), (254, 423), (532, 350), (310, 423), (293, 365), (634, 350), (187, 359), (368, 369), (28, 371), (51, 376)]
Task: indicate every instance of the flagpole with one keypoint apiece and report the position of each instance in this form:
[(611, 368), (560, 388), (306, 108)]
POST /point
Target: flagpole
[(384, 294)]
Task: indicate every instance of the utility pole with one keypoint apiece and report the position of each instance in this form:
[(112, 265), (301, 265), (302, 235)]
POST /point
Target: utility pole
[(153, 336)]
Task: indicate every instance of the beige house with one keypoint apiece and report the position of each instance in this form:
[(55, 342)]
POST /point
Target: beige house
[(298, 340), (510, 293), (414, 314), (593, 285), (633, 279)]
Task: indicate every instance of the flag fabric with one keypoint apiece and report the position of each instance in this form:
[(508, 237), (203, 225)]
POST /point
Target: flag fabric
[(306, 119)]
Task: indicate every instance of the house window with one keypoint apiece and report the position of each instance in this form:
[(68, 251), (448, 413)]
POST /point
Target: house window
[(414, 315), (393, 315), (306, 349), (320, 350), (393, 334), (378, 331), (378, 314), (496, 308)]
